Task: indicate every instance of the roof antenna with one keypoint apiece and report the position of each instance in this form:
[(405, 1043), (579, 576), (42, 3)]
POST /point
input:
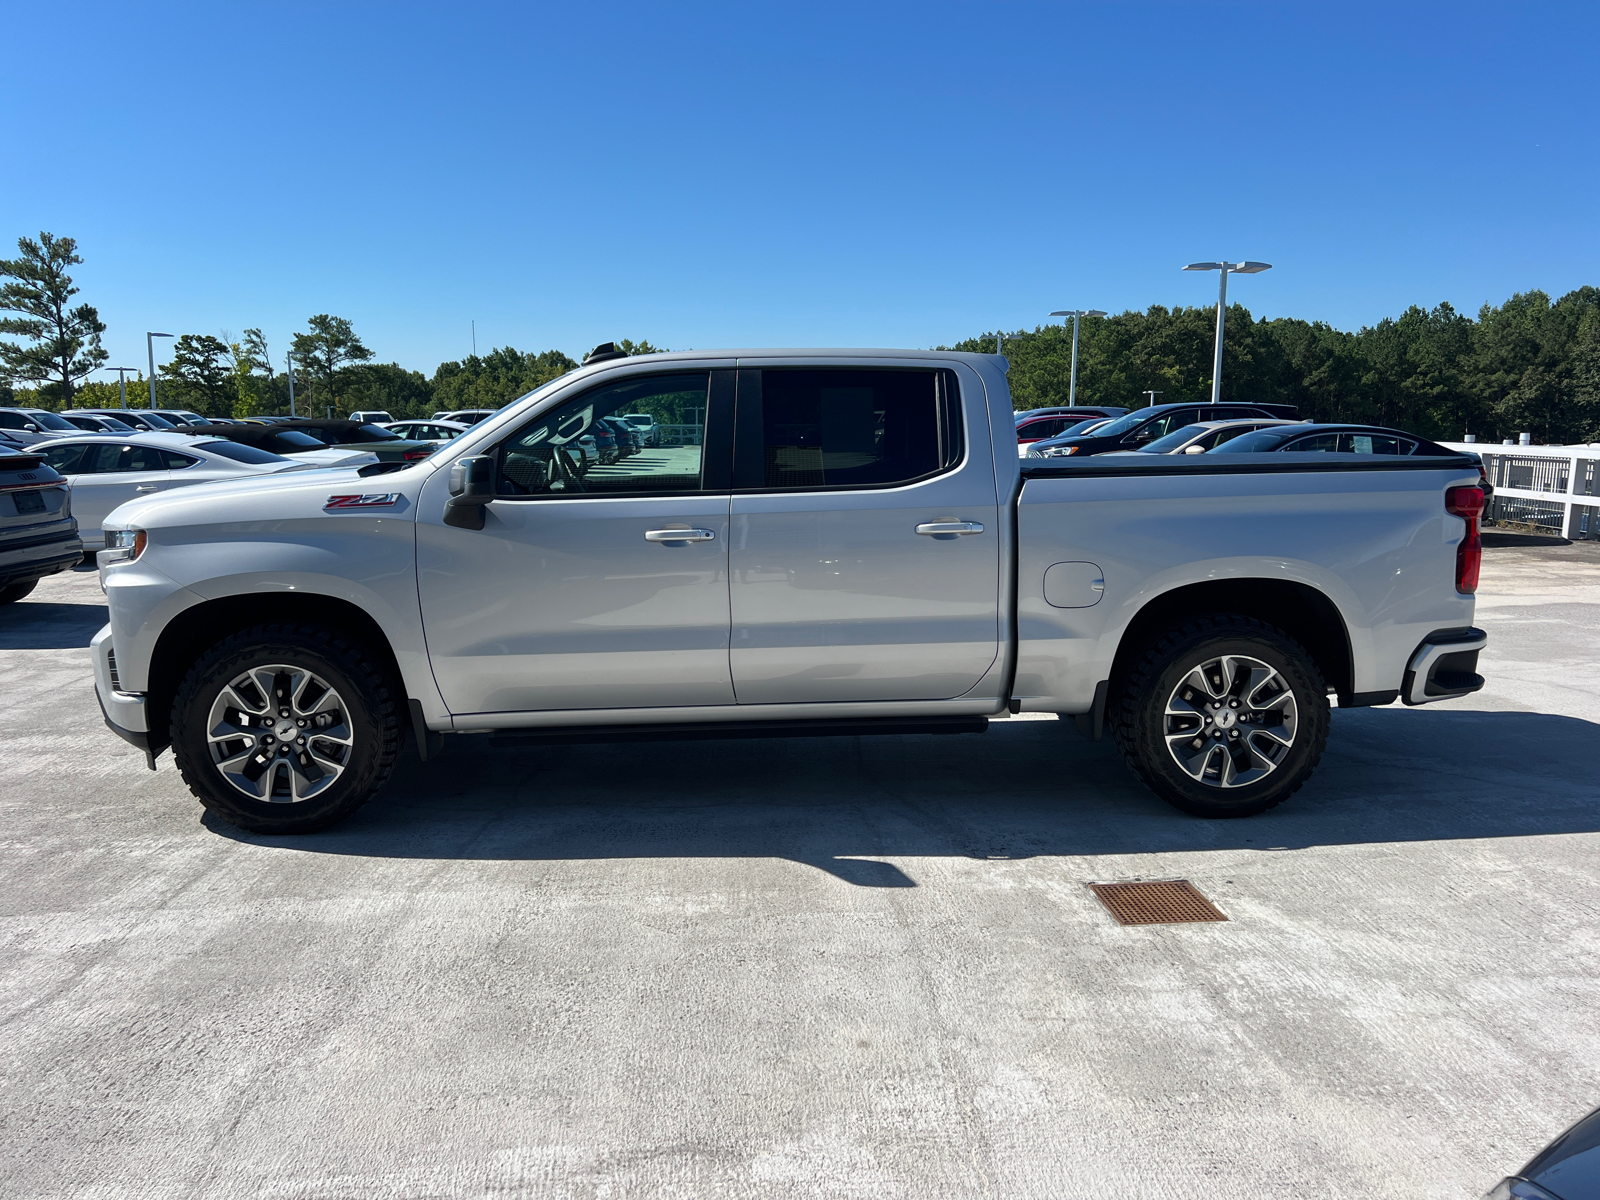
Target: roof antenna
[(604, 352)]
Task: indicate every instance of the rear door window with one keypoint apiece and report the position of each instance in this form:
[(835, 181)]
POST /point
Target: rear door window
[(844, 428), (110, 458), (1375, 443), (66, 459), (176, 461)]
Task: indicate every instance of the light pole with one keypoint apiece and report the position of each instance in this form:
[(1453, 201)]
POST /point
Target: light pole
[(1152, 393), (288, 365), (1244, 268), (122, 381), (1075, 314), (150, 350)]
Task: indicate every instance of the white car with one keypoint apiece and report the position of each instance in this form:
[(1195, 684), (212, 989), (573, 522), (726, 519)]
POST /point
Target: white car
[(1205, 435), (427, 431), (372, 417), (32, 425), (466, 416), (105, 470)]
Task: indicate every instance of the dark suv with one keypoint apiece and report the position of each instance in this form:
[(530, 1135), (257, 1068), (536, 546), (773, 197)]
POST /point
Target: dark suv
[(1141, 425)]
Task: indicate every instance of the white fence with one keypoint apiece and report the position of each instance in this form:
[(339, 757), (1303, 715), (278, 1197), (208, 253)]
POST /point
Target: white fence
[(1552, 487)]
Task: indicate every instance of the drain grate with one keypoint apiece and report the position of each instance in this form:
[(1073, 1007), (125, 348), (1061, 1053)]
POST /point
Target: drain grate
[(1160, 902)]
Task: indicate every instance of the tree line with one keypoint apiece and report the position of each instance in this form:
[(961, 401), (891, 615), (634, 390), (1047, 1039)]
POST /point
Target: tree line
[(1529, 365)]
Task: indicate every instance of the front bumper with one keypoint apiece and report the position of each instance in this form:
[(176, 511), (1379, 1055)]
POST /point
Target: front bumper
[(124, 712), (1444, 667)]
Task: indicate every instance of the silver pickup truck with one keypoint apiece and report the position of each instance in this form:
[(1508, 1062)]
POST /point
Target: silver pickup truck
[(820, 542)]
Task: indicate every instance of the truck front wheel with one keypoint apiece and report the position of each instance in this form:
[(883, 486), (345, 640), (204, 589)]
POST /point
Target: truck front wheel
[(1221, 716), (285, 728)]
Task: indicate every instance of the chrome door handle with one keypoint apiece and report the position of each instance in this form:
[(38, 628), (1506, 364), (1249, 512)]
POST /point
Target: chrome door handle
[(147, 487), (679, 535), (935, 528)]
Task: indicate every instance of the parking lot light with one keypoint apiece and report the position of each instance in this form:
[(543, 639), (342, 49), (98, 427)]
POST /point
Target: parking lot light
[(150, 350), (122, 381), (1075, 314), (1226, 268)]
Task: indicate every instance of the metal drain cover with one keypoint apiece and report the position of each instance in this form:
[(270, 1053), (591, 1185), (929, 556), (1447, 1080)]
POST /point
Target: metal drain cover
[(1160, 902)]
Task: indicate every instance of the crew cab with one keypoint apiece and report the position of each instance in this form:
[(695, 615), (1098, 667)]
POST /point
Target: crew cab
[(842, 542)]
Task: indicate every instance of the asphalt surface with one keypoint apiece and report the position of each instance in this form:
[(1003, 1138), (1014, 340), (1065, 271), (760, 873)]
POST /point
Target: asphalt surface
[(842, 967)]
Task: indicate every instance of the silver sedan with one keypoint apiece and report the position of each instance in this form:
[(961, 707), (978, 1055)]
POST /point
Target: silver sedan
[(106, 470)]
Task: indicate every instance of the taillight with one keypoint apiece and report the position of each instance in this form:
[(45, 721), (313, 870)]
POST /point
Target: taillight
[(1467, 503), (416, 455)]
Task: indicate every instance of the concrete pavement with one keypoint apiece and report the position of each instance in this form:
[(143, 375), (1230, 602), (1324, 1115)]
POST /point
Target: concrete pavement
[(842, 967)]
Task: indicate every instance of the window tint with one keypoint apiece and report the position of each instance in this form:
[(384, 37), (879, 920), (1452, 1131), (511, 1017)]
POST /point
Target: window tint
[(823, 429), (370, 433), (1317, 443), (1375, 443), (1166, 423), (1226, 435), (114, 457), (49, 420), (65, 459), (291, 440), (176, 461), (11, 420), (558, 452), (244, 454)]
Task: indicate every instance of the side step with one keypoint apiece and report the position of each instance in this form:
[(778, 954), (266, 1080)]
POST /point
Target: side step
[(722, 730)]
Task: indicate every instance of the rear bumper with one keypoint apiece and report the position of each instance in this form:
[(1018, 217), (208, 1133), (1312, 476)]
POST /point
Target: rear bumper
[(1444, 666), (33, 554)]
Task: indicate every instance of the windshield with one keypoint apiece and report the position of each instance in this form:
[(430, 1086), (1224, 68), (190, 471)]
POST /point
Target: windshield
[(238, 453), (154, 421), (1124, 423), (1254, 443), (376, 433), (1166, 445), (1082, 427), (49, 420), (115, 425)]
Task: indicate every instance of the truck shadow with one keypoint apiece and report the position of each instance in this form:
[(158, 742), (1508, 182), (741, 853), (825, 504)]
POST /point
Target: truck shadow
[(1026, 788), (45, 625)]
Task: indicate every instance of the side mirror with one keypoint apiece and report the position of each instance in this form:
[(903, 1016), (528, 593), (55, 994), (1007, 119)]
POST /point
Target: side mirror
[(471, 488), (1194, 449), (30, 427)]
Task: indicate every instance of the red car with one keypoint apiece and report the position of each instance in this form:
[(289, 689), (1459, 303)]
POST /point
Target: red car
[(1035, 425)]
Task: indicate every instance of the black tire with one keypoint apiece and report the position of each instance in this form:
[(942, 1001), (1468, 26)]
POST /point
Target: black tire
[(1137, 713), (370, 703), (10, 595)]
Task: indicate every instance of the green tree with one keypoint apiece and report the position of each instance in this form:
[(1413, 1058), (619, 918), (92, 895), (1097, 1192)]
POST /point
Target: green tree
[(65, 341), (496, 378), (201, 375), (331, 345)]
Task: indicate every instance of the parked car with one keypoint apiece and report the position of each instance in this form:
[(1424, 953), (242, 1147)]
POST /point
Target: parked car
[(605, 442), (1142, 425), (289, 443), (1098, 410), (304, 433), (866, 555), (1038, 424), (628, 440), (179, 417), (38, 534), (645, 423), (1307, 438), (105, 470), (427, 431), (1567, 1169), (33, 425), (372, 417), (1205, 435), (90, 423), (143, 419), (466, 416)]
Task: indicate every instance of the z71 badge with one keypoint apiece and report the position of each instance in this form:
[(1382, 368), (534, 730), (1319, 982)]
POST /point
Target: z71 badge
[(377, 500)]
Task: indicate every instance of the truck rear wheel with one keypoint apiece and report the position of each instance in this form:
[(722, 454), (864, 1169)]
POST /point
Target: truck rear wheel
[(285, 728), (1221, 716)]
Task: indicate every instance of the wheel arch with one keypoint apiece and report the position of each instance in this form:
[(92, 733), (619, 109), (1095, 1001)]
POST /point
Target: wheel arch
[(197, 628), (1300, 610)]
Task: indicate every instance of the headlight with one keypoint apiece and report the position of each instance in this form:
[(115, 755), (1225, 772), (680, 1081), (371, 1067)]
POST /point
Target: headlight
[(122, 545), (1058, 451)]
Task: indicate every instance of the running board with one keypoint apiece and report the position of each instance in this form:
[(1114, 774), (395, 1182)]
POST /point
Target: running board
[(721, 730)]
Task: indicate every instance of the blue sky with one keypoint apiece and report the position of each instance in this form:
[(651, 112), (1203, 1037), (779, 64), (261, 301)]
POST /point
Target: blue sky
[(802, 174)]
